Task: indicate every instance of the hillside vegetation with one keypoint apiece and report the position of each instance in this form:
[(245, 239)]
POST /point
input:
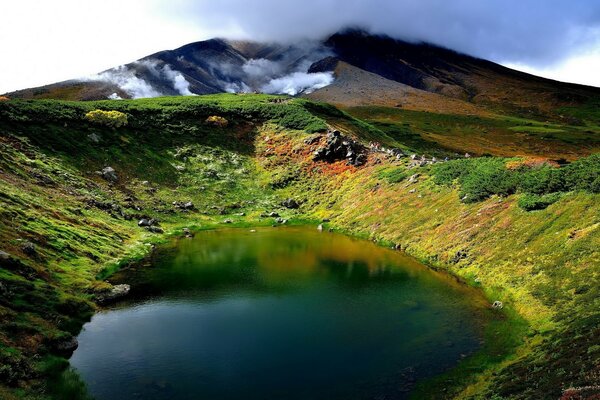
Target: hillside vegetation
[(76, 178)]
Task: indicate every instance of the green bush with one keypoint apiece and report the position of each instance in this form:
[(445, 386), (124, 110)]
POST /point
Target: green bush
[(530, 202), (112, 119), (541, 180), (583, 174), (480, 178), (487, 177), (395, 175)]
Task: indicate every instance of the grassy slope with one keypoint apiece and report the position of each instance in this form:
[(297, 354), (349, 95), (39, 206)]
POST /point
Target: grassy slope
[(48, 162), (497, 135)]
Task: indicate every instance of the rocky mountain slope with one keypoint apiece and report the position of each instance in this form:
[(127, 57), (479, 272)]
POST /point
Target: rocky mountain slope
[(347, 68)]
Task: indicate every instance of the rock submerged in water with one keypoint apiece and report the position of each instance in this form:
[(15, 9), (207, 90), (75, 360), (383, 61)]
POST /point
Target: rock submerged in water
[(115, 293)]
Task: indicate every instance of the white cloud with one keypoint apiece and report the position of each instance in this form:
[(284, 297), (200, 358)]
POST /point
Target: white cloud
[(298, 82), (126, 80), (581, 69), (49, 41)]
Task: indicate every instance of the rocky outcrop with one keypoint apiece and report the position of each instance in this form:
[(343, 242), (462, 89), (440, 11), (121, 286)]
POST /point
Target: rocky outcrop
[(115, 293), (339, 147)]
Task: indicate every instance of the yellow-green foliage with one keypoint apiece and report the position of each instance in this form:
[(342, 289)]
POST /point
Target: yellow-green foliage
[(217, 121), (113, 119)]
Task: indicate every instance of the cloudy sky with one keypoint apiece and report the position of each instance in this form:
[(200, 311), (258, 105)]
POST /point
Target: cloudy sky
[(47, 41)]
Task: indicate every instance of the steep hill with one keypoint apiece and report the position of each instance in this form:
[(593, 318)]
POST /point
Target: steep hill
[(524, 230)]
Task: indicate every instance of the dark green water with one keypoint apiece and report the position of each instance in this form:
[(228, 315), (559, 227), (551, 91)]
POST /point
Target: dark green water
[(280, 313)]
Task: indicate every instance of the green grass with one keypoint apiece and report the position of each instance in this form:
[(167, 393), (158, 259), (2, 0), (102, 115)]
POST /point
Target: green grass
[(542, 264)]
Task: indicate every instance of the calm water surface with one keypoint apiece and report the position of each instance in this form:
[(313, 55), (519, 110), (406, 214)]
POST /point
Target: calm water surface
[(280, 313)]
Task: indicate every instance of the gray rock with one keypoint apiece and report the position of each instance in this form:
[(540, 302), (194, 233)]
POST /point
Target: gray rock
[(228, 221), (4, 256), (94, 138), (339, 147), (29, 249), (320, 228), (497, 305), (66, 346), (273, 214), (290, 203), (187, 233), (110, 175), (115, 293), (413, 178), (144, 222), (154, 229)]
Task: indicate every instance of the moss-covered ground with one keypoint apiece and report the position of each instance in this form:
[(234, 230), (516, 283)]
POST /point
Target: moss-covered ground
[(66, 228)]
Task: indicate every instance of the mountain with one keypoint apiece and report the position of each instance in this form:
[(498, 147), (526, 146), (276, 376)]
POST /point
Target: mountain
[(348, 68)]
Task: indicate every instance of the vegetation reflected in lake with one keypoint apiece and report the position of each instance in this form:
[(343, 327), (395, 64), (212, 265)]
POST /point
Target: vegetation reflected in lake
[(279, 313)]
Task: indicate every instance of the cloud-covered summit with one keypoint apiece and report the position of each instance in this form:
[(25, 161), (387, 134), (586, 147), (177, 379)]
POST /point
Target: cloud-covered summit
[(533, 32)]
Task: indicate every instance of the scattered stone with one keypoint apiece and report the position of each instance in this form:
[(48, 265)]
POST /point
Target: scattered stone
[(228, 221), (242, 214), (497, 305), (187, 233), (413, 178), (154, 229), (145, 183), (291, 204), (458, 256), (320, 228), (252, 230), (94, 138), (29, 249), (4, 256), (180, 168), (144, 222), (325, 220), (312, 140), (281, 221), (412, 190), (109, 174), (273, 215), (188, 206)]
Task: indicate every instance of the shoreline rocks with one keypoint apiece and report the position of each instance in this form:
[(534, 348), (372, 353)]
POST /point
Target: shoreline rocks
[(115, 293)]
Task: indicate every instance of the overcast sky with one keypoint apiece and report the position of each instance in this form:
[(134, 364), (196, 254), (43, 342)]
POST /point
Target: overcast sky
[(46, 41)]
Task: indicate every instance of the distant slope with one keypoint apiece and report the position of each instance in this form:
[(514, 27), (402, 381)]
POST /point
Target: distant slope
[(369, 70), (356, 87), (439, 70)]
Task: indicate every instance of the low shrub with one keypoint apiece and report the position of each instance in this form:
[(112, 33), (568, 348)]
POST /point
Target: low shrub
[(217, 121), (480, 178), (112, 119), (395, 175), (531, 202)]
